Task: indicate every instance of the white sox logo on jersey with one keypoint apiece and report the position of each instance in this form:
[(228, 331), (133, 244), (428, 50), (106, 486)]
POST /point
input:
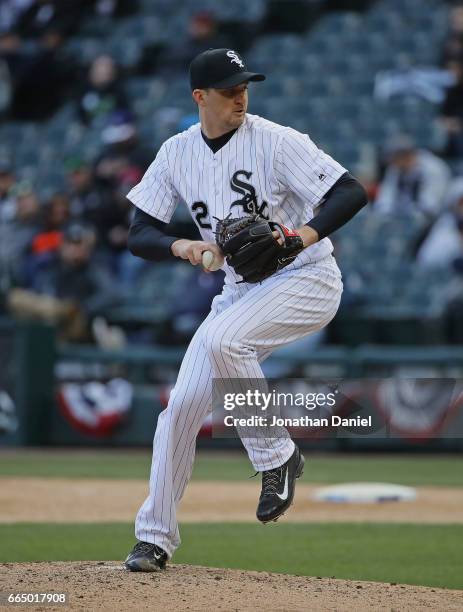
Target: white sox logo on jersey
[(249, 199), (235, 58)]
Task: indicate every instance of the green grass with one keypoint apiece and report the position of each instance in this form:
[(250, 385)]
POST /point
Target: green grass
[(407, 470), (401, 469), (75, 464), (415, 554)]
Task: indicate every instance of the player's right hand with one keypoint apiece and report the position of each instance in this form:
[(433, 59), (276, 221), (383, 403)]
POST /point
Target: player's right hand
[(194, 249)]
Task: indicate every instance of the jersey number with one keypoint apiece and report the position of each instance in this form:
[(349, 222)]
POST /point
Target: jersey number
[(201, 214)]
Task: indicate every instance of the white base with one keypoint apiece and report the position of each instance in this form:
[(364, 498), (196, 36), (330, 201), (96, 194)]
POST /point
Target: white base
[(364, 493)]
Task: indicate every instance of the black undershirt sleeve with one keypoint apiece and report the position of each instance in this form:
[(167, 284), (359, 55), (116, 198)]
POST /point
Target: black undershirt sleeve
[(341, 203), (148, 238)]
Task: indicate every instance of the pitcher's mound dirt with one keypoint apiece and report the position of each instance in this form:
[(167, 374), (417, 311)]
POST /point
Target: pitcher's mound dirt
[(107, 586)]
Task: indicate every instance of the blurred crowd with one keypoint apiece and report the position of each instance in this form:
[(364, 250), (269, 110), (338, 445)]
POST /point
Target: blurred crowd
[(72, 246), (429, 184), (63, 259)]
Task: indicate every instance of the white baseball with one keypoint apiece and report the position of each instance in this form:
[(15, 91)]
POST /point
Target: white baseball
[(209, 261)]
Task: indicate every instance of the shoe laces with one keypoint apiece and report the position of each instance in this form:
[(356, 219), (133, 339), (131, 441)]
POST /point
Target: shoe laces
[(145, 547), (270, 481)]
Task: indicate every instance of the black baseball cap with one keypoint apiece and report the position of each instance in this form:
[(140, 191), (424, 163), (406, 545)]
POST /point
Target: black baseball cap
[(220, 69)]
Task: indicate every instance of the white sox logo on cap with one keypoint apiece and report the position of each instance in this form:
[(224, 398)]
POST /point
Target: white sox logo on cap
[(235, 58)]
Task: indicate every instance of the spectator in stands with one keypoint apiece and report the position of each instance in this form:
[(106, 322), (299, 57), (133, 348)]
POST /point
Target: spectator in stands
[(45, 15), (68, 290), (121, 165), (86, 199), (444, 244), (414, 182), (11, 11), (17, 233), (453, 44), (7, 213), (202, 34), (43, 79), (114, 8), (94, 202), (48, 240), (451, 113), (13, 62), (123, 151), (103, 93), (56, 213), (7, 200), (5, 89)]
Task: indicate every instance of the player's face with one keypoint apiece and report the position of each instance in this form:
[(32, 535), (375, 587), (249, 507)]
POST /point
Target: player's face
[(226, 108)]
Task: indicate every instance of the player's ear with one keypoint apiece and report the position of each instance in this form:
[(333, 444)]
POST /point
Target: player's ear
[(199, 96)]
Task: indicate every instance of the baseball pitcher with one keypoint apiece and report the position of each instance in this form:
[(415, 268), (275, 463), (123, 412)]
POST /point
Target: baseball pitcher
[(264, 198)]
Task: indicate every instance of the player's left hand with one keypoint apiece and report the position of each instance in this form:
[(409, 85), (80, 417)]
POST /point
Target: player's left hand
[(255, 247)]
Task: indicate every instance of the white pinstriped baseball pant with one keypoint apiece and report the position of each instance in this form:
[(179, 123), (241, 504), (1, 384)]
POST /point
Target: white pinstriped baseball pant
[(246, 323)]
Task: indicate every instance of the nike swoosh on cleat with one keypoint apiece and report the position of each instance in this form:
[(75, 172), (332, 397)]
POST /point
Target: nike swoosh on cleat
[(284, 496)]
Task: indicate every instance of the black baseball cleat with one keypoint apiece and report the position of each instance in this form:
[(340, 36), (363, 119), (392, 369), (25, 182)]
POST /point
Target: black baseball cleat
[(146, 557), (278, 488)]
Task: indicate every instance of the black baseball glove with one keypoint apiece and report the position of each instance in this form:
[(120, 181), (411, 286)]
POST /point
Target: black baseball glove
[(251, 249)]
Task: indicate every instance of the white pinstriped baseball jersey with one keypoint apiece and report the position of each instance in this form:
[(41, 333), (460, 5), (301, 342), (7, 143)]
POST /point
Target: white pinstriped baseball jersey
[(265, 168)]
